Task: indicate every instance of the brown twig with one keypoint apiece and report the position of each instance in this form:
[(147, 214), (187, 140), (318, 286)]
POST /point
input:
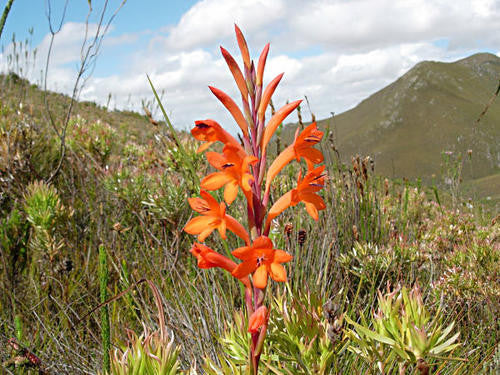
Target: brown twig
[(488, 105)]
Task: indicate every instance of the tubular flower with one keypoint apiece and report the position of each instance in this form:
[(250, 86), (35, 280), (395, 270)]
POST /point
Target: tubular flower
[(208, 258), (233, 165), (257, 319), (261, 259), (305, 191), (213, 216), (210, 131), (302, 147)]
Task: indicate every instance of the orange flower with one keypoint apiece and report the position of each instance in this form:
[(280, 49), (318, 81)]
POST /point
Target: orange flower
[(233, 166), (304, 192), (210, 131), (213, 216), (302, 147), (257, 319), (261, 259), (208, 258)]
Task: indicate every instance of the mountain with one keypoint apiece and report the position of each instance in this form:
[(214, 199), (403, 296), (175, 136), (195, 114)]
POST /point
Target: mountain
[(431, 109)]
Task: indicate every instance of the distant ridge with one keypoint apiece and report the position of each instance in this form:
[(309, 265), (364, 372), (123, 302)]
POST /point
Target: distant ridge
[(430, 109)]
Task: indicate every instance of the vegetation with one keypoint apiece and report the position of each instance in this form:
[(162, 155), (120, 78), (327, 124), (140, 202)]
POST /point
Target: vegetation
[(125, 191)]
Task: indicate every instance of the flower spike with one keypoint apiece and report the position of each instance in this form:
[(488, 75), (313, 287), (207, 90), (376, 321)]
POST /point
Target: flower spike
[(242, 164)]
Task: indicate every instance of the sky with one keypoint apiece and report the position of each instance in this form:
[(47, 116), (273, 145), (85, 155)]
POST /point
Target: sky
[(335, 52)]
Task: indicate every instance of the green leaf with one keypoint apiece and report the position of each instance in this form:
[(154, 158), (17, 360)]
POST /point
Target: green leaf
[(369, 333), (446, 346)]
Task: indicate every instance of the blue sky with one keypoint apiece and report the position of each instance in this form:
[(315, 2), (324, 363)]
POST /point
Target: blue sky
[(337, 52)]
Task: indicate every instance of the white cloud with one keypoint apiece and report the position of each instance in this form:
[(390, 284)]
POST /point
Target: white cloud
[(358, 47), (209, 21)]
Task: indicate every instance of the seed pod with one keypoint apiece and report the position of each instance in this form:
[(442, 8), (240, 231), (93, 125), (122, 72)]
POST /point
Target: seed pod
[(302, 236), (288, 229), (360, 186), (355, 232), (364, 167)]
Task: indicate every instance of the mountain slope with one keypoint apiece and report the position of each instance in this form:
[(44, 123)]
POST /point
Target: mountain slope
[(432, 108)]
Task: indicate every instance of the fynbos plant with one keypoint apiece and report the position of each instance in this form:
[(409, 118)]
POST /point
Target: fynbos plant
[(45, 213), (243, 166), (404, 332)]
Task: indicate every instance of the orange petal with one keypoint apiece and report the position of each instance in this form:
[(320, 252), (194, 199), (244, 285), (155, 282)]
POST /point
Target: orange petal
[(199, 205), (244, 269), (237, 228), (236, 72), (277, 272), (219, 260), (277, 119), (279, 206), (243, 46), (260, 277), (222, 229), (197, 224), (281, 256), (212, 203), (232, 107), (262, 242), (266, 96), (245, 182), (312, 210), (204, 234), (257, 319), (278, 164), (215, 181), (247, 161), (243, 253), (215, 159), (262, 64), (312, 155), (314, 199), (204, 146), (231, 192), (210, 130)]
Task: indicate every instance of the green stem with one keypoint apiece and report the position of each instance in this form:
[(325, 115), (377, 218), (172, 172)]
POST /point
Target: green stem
[(4, 16), (105, 329), (185, 155)]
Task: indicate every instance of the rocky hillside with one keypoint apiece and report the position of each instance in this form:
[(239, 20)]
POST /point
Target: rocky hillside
[(431, 109)]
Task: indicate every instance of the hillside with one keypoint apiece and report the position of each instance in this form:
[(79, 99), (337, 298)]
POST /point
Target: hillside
[(432, 108), (15, 90)]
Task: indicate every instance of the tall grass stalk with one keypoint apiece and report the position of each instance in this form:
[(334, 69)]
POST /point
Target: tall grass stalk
[(105, 328)]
